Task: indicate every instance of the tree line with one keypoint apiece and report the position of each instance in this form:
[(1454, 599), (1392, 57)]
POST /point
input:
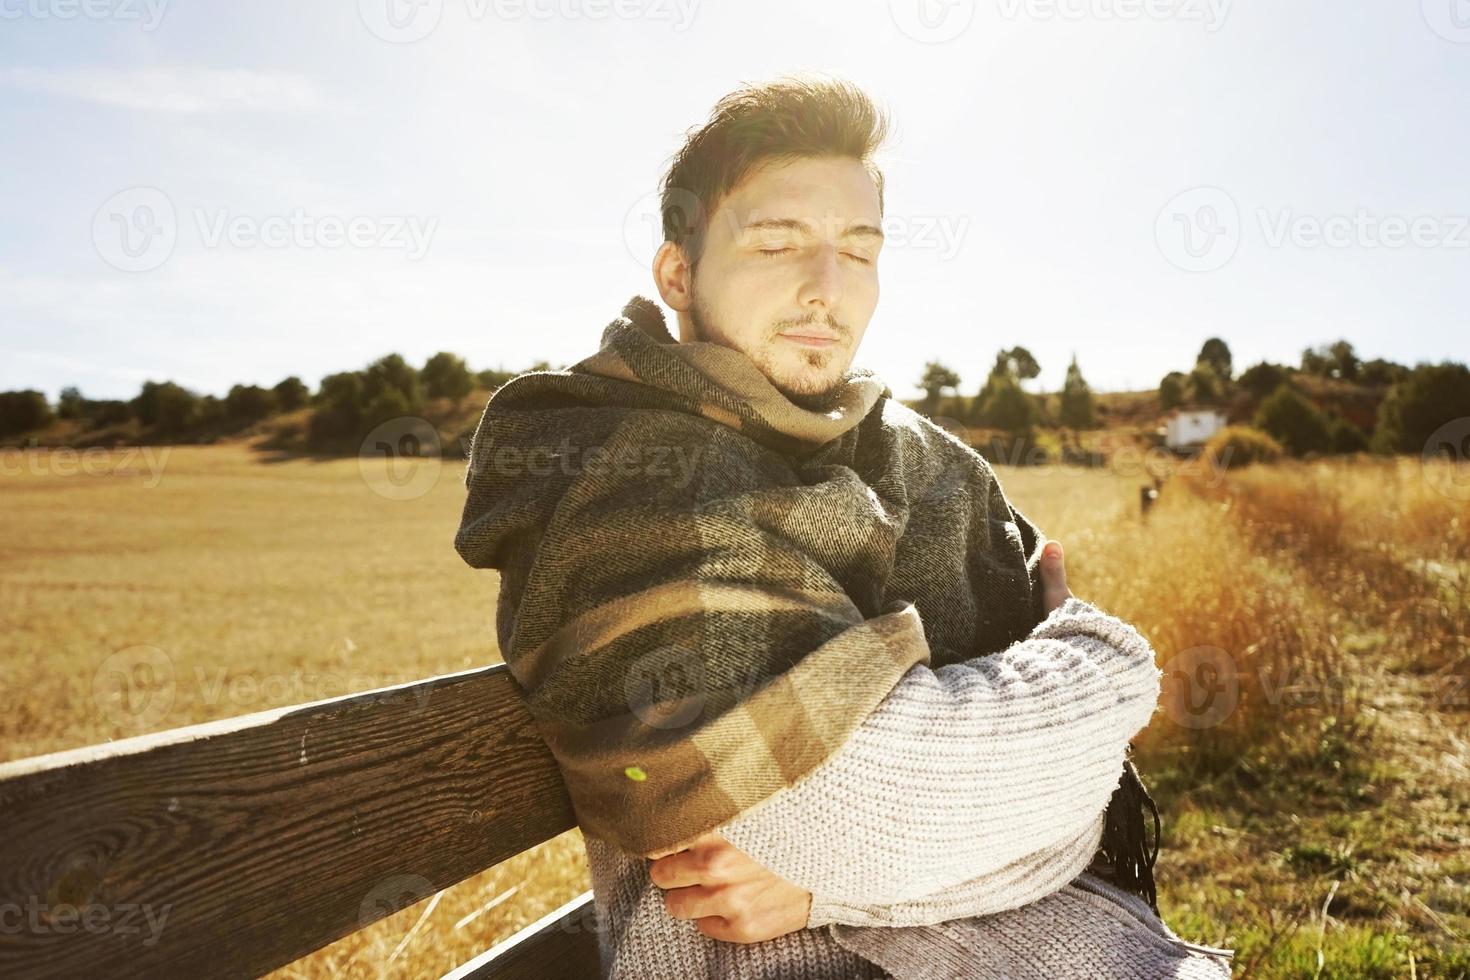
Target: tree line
[(344, 405), (1412, 403)]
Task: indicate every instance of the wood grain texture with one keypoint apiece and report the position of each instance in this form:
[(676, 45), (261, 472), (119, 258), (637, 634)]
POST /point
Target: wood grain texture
[(234, 847)]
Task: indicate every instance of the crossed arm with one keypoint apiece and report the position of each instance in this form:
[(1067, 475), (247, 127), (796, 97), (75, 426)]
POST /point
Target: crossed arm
[(973, 788)]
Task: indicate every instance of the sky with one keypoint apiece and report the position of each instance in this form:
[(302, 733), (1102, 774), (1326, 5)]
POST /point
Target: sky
[(217, 193)]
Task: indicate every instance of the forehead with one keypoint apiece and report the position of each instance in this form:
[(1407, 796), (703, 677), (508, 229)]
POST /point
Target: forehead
[(827, 192)]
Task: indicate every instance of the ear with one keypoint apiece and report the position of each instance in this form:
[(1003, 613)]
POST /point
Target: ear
[(673, 277)]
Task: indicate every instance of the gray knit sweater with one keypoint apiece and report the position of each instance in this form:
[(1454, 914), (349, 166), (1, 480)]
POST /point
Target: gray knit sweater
[(949, 835)]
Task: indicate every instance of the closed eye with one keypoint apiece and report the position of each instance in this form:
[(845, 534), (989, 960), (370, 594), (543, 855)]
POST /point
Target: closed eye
[(773, 252)]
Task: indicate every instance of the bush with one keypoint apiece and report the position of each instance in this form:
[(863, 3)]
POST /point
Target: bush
[(1240, 445), (1171, 391), (1344, 437), (1294, 422), (1416, 407), (1003, 404), (1263, 378), (248, 403), (291, 394), (445, 376), (22, 411), (166, 406)]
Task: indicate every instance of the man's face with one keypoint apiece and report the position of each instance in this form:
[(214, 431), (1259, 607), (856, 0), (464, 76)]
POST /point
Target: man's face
[(789, 272)]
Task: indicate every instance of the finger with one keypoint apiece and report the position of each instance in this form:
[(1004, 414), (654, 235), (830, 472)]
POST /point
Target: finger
[(696, 901), (1054, 575), (708, 837)]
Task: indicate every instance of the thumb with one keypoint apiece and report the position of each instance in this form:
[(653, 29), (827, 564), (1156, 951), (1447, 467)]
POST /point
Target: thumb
[(1054, 590)]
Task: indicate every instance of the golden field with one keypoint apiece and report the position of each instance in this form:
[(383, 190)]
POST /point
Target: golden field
[(1311, 758)]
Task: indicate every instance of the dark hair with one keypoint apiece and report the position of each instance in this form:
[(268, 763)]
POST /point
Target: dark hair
[(793, 116)]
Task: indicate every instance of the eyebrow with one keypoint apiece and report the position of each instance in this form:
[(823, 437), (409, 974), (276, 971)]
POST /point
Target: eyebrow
[(793, 224)]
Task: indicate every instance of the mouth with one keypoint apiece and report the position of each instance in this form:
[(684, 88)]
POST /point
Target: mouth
[(811, 339)]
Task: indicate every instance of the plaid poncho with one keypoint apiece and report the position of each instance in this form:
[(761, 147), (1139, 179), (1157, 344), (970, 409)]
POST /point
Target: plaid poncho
[(705, 586)]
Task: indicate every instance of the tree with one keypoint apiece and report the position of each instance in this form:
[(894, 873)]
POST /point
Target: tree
[(1334, 360), (1076, 400), (445, 376), (71, 404), (1417, 407), (391, 387), (1217, 355), (1018, 363), (291, 393), (492, 378), (1263, 378), (1381, 372), (22, 411), (166, 406), (935, 380), (1205, 386), (1294, 422), (1171, 391), (248, 403), (1344, 437), (1002, 404)]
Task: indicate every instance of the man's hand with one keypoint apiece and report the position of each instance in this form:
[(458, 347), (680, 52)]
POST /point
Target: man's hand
[(732, 897), (1054, 589)]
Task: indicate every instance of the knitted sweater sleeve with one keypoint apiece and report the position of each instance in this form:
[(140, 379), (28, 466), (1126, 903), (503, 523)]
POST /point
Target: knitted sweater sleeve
[(971, 787)]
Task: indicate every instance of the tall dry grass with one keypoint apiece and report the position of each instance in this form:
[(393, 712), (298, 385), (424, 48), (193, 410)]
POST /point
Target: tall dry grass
[(1294, 607)]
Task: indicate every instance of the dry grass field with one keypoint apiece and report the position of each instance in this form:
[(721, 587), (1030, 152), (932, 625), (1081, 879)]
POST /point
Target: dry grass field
[(1311, 759)]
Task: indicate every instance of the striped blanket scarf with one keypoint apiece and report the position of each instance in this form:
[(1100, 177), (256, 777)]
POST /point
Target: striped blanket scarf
[(706, 585)]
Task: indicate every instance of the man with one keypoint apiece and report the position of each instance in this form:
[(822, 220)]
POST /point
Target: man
[(728, 563)]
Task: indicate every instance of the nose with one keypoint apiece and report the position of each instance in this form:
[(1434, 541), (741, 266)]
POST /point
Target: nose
[(822, 281)]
